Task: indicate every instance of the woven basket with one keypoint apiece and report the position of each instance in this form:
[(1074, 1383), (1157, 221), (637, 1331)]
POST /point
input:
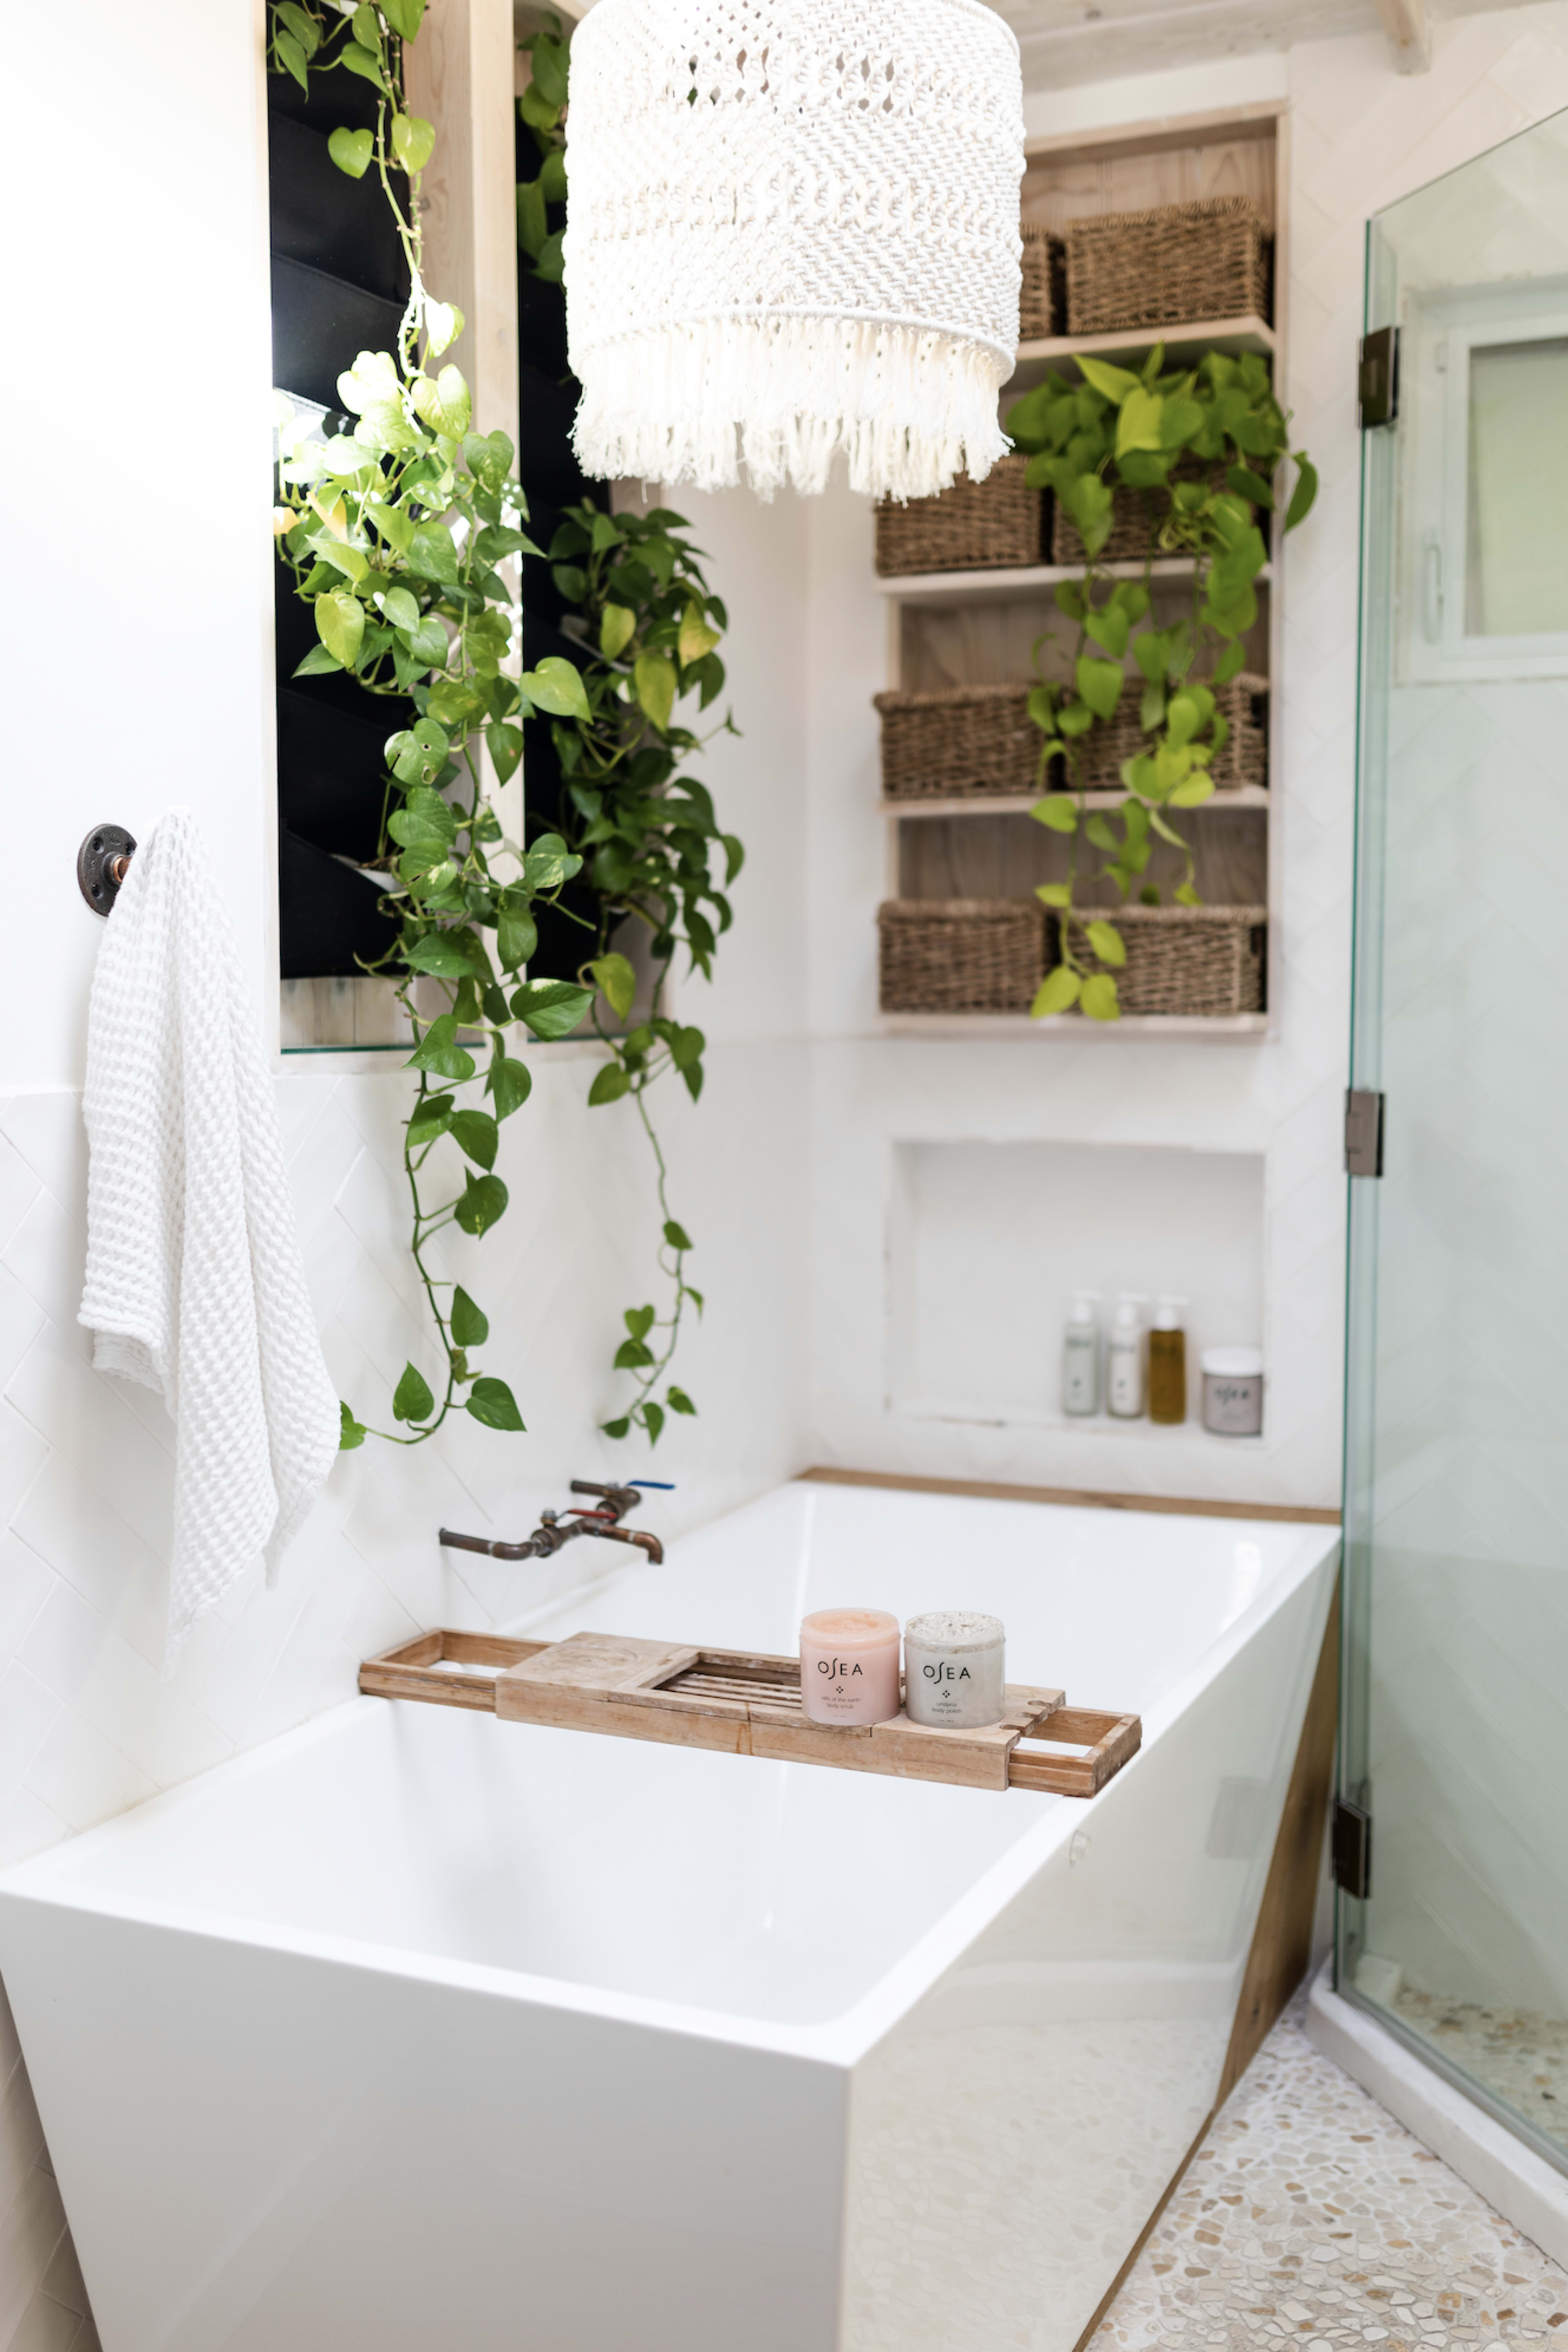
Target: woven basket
[(1206, 961), (1042, 304), (1136, 517), (1167, 268), (972, 527), (1243, 700), (960, 955), (957, 741)]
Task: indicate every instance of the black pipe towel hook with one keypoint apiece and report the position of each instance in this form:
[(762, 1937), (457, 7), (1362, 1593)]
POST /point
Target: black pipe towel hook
[(101, 865)]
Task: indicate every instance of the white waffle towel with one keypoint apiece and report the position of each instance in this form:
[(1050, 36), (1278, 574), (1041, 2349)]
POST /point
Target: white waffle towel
[(194, 1280)]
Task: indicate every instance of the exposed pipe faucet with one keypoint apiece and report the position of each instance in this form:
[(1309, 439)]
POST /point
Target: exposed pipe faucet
[(553, 1530)]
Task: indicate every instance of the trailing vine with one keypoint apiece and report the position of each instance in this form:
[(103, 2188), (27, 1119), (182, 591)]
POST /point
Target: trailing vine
[(1202, 448), (543, 107), (394, 532), (646, 835)]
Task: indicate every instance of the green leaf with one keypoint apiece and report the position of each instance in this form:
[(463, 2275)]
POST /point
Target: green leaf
[(1099, 833), (678, 1400), (1056, 993), (1192, 794), (317, 663), (412, 1400), (1108, 627), (413, 141), (609, 1085), (536, 110), (616, 1428), (431, 1117), (1248, 485), (404, 17), (653, 677), (631, 1356), (361, 62), (351, 1433), (493, 1403), (437, 1051), (351, 150), (556, 687), (476, 1133), (471, 1327), (400, 608), (617, 627), (442, 403), (652, 1419), (1182, 720), (1233, 658), (440, 954), (551, 67), (1115, 383), (550, 1008), (432, 553), (1099, 683), (1138, 426), (516, 936), (1100, 998), (340, 624), (1053, 894), (1305, 491), (292, 58), (1104, 938), (677, 1235), (696, 637), (1058, 811), (638, 1321), (506, 749), (484, 1201), (508, 1084), (616, 977)]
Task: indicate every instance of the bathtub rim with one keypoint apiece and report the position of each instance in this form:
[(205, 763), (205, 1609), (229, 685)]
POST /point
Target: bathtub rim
[(840, 2041)]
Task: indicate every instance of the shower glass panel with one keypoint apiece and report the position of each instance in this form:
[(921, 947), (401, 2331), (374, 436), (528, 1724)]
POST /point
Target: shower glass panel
[(1455, 1719)]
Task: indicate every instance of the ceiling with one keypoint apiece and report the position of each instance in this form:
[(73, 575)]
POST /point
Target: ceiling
[(1067, 41)]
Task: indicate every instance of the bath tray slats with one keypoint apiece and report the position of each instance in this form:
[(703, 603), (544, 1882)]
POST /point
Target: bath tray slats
[(747, 1705)]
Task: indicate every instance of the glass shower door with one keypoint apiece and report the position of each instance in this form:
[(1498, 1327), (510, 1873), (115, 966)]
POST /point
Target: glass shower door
[(1455, 1719)]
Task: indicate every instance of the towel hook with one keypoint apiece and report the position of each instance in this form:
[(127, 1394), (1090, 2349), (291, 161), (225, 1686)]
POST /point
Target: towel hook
[(101, 865)]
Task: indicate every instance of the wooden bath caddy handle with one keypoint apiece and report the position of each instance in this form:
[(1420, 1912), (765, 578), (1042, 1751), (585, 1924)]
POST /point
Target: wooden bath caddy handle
[(749, 1704)]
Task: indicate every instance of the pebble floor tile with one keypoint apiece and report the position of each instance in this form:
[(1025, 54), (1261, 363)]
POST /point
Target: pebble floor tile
[(1516, 2052), (1310, 2216)]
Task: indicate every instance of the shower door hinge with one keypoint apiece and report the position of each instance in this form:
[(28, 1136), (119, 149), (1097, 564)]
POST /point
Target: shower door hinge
[(1353, 1849), (1377, 378), (1363, 1132)]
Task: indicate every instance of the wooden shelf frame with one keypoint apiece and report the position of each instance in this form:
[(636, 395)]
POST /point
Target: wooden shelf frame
[(1183, 343), (1242, 796)]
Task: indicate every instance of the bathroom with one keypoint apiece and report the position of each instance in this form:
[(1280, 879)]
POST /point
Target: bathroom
[(889, 1213)]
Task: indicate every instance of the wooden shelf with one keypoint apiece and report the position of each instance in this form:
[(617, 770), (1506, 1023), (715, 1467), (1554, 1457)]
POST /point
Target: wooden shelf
[(1071, 1025), (1016, 586), (1182, 343), (1244, 796)]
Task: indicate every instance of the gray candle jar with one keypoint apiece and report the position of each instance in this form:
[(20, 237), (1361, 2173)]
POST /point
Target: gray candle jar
[(955, 1670), (1233, 1392)]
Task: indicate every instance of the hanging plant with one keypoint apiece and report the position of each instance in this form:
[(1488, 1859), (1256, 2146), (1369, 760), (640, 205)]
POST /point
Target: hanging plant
[(1202, 450), (543, 107), (647, 838), (393, 532)]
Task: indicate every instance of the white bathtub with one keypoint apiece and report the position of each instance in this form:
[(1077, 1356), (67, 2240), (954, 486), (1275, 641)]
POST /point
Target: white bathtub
[(416, 2032)]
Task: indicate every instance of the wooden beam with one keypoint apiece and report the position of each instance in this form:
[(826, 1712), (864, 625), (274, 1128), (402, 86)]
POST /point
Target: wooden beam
[(1187, 1506), (1409, 33)]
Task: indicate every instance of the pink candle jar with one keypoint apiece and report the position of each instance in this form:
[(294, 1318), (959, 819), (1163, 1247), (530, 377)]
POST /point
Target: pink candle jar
[(849, 1666)]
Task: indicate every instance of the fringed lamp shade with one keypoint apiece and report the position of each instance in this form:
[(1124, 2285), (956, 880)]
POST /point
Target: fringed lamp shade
[(792, 229)]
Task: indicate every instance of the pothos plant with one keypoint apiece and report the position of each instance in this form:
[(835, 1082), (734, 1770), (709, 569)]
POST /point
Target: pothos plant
[(543, 107), (394, 533), (1202, 448), (645, 836)]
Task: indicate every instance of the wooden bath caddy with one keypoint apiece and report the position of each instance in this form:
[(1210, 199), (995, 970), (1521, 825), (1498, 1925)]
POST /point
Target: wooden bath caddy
[(749, 1705)]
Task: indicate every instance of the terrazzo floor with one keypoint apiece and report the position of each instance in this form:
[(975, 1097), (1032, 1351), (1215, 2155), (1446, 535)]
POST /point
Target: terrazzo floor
[(1515, 2052), (1310, 2215)]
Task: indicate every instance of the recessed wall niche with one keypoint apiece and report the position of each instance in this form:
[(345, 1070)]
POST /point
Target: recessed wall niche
[(987, 1243)]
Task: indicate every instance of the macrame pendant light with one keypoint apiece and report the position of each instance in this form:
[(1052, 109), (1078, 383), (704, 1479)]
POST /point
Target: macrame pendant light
[(792, 229)]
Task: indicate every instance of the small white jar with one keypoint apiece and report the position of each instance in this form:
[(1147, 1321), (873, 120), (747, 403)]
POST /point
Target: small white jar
[(1233, 1392), (955, 1670)]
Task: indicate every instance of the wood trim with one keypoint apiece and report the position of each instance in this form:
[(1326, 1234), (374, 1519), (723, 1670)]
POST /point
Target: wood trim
[(1162, 131), (1146, 2232), (1181, 1507), (1281, 1941)]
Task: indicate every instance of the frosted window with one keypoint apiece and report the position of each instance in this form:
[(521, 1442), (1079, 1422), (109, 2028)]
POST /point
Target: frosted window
[(1517, 542)]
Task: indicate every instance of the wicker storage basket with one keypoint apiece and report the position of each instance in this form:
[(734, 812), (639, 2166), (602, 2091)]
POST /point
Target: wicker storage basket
[(1042, 303), (958, 741), (1206, 961), (960, 955), (1243, 700), (1167, 268), (1135, 516), (972, 527)]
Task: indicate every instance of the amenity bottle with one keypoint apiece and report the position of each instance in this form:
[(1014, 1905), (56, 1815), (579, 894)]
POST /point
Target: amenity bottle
[(1124, 1360), (1080, 1355), (1168, 1364)]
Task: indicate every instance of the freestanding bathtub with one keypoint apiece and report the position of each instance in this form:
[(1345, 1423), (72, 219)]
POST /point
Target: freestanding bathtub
[(416, 2032)]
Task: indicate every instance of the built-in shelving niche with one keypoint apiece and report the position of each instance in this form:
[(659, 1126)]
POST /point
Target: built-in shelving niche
[(978, 627), (988, 1240)]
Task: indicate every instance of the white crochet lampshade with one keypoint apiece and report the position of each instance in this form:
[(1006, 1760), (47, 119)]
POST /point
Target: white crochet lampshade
[(792, 229)]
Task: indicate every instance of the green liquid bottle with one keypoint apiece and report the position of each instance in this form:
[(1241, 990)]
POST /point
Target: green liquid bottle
[(1168, 1364)]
